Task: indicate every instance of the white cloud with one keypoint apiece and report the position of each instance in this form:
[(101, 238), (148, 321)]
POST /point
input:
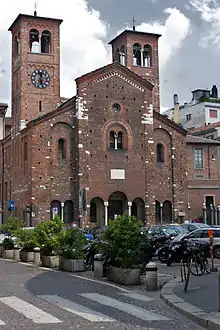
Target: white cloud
[(210, 14), (82, 39), (174, 32)]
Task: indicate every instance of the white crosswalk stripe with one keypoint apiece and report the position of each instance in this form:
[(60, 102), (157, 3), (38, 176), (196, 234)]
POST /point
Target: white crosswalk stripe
[(77, 309), (31, 312), (131, 309), (137, 296)]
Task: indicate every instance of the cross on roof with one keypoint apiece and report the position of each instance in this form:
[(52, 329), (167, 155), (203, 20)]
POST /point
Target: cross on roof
[(134, 21)]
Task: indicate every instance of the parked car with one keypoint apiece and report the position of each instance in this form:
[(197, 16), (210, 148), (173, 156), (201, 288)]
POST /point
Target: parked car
[(166, 230), (193, 226), (202, 235)]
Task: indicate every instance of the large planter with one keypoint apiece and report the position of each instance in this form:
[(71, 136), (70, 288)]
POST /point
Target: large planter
[(50, 261), (27, 256), (1, 251), (71, 265), (124, 276), (8, 254)]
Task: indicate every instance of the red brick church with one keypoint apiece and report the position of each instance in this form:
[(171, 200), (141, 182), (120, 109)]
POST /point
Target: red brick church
[(105, 151)]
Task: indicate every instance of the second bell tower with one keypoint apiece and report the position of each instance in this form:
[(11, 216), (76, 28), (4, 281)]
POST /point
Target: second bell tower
[(35, 67)]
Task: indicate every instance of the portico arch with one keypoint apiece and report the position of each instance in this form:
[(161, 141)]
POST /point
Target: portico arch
[(118, 204), (97, 211), (138, 209)]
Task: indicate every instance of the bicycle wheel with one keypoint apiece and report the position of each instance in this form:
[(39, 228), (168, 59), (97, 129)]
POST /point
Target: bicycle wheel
[(207, 266), (197, 266)]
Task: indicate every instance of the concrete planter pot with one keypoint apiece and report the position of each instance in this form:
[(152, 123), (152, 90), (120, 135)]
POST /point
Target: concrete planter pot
[(8, 254), (50, 261), (71, 265), (27, 256), (124, 276)]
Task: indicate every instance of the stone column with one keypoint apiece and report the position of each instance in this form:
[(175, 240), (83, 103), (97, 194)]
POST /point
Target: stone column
[(204, 210), (142, 57), (161, 212), (62, 208), (129, 208), (28, 216), (106, 213)]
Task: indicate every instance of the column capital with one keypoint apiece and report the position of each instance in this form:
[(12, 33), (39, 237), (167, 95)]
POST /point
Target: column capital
[(105, 203), (129, 203), (62, 204)]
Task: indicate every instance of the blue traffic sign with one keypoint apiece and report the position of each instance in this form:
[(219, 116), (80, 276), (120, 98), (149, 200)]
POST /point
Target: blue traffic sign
[(12, 205)]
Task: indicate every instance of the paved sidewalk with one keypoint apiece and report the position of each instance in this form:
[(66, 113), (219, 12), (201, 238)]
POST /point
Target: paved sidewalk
[(200, 303)]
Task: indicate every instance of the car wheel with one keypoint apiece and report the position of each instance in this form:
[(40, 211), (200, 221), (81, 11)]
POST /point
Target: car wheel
[(217, 251)]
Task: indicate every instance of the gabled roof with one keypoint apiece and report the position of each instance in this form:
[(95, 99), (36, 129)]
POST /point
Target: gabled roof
[(134, 32), (205, 127), (191, 139), (169, 122), (118, 67), (33, 17)]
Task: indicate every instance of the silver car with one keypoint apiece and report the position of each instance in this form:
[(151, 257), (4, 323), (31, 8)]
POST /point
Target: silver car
[(202, 235)]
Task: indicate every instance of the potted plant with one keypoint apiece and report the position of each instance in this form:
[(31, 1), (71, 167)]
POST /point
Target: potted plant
[(26, 239), (47, 238), (123, 238), (71, 243), (8, 246)]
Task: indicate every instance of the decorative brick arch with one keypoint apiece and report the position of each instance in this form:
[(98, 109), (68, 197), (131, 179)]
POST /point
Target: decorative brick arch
[(117, 126)]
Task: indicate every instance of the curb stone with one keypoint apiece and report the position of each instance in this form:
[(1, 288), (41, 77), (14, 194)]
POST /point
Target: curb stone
[(210, 321)]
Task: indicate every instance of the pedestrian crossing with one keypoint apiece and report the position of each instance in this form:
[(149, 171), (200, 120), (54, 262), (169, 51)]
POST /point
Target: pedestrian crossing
[(75, 309)]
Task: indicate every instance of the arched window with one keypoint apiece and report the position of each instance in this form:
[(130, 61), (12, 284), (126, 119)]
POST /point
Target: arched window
[(147, 56), (160, 153), (61, 149), (112, 140), (120, 140), (137, 54), (46, 42), (34, 41)]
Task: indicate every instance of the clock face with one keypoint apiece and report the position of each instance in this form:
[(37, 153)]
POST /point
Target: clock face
[(40, 78)]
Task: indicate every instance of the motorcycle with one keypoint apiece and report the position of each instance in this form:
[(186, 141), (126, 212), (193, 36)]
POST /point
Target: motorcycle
[(164, 250), (182, 250)]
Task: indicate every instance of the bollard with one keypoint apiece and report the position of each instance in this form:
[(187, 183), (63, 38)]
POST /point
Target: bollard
[(37, 260), (17, 253), (98, 265), (151, 276)]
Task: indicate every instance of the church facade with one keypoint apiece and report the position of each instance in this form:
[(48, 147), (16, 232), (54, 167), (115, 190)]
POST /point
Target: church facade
[(103, 152)]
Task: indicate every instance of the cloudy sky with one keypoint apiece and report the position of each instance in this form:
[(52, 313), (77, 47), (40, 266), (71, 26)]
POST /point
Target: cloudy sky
[(189, 48)]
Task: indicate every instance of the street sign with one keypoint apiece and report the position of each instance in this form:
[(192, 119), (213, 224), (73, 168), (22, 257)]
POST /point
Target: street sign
[(11, 205)]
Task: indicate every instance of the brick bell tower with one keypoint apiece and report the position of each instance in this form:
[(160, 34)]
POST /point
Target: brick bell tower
[(35, 67), (139, 52)]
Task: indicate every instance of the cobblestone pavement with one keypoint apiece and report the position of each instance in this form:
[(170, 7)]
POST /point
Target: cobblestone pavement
[(33, 298)]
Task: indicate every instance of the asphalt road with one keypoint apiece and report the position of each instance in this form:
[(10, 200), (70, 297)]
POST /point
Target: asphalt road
[(32, 298)]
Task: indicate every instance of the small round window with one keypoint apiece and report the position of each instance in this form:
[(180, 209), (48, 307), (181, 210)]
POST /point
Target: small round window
[(116, 107)]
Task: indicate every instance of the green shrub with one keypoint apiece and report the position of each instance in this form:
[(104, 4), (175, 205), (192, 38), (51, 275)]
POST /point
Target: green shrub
[(12, 225), (8, 244), (71, 243), (47, 236), (123, 238), (26, 239)]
